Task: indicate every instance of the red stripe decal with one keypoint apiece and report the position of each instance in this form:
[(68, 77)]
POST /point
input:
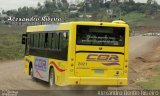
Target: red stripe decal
[(39, 74), (54, 64)]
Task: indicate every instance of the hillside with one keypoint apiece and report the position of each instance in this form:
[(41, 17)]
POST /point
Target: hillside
[(10, 35), (10, 42)]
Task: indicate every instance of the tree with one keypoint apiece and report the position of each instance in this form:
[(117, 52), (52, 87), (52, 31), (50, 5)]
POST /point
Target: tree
[(151, 7), (50, 6), (114, 5), (65, 4), (140, 7), (128, 6)]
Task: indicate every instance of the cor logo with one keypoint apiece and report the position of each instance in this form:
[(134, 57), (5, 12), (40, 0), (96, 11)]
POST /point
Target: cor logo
[(104, 58)]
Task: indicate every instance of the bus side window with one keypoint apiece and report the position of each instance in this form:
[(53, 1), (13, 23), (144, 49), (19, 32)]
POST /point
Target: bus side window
[(32, 40), (28, 39), (63, 40), (50, 40), (46, 41), (38, 40), (55, 41), (63, 45), (42, 40), (35, 40)]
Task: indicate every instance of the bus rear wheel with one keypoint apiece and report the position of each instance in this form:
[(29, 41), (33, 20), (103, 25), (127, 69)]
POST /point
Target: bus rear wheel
[(51, 78), (31, 73)]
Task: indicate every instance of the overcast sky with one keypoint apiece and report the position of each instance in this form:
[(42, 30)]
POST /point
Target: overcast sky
[(14, 4)]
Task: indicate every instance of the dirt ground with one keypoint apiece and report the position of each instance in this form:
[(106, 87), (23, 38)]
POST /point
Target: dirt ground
[(143, 56)]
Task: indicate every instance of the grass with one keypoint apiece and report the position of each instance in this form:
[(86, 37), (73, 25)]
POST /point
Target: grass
[(151, 21), (140, 19), (154, 82), (133, 18), (10, 42)]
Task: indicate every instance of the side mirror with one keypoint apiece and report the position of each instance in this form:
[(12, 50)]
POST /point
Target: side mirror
[(24, 38)]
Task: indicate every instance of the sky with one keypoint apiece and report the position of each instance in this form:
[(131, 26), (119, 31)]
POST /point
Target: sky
[(15, 4)]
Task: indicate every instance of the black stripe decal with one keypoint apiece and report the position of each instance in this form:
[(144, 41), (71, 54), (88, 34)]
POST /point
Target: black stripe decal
[(99, 52)]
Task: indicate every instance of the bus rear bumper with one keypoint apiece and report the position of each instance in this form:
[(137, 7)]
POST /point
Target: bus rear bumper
[(97, 81)]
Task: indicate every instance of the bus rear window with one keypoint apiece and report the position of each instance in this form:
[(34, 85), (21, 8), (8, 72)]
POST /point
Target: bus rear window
[(100, 36)]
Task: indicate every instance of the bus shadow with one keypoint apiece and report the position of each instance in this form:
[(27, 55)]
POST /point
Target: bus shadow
[(69, 87)]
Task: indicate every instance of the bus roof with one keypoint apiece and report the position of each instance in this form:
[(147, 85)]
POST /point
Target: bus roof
[(66, 26), (51, 27)]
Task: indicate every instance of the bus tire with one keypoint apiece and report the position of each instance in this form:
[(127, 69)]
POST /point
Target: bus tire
[(51, 78), (31, 73)]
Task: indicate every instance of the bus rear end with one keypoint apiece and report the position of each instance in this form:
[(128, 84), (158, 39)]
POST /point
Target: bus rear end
[(101, 54)]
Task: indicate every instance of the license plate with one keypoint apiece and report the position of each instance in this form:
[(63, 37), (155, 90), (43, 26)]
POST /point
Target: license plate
[(99, 71)]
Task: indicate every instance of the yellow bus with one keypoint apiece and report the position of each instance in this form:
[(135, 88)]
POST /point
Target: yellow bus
[(78, 53)]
